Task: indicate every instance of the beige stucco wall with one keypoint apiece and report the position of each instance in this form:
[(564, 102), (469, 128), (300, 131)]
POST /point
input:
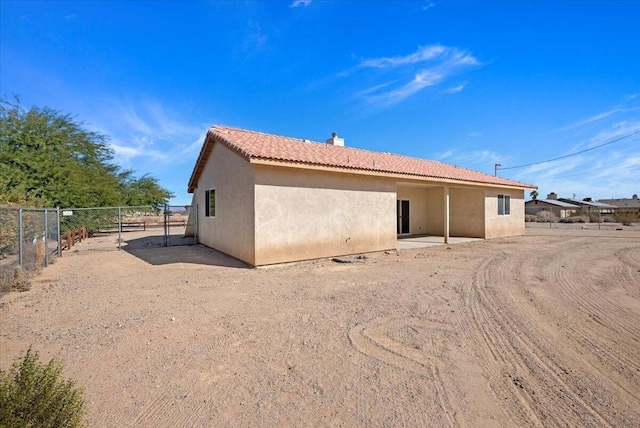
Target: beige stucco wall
[(305, 214), (232, 229), (417, 207), (435, 211), (504, 225), (466, 212)]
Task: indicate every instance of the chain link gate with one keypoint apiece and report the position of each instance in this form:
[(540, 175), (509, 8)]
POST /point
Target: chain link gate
[(180, 225), (29, 239)]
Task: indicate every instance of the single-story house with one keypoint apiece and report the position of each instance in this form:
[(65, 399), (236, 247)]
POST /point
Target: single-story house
[(624, 205), (559, 208), (587, 205), (268, 199)]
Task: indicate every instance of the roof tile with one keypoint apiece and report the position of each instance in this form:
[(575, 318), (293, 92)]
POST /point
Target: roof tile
[(258, 145)]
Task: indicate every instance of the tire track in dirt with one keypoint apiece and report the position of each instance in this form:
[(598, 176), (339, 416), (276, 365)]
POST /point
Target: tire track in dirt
[(577, 283), (519, 355), (372, 340), (629, 269)]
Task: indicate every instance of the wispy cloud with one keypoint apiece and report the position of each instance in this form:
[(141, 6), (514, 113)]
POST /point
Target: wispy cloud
[(428, 5), (591, 119), (456, 89), (70, 16), (426, 67), (424, 53), (256, 39), (610, 171), (146, 132), (298, 3), (482, 160)]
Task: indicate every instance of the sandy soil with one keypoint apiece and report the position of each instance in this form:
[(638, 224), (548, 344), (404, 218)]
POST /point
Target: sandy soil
[(542, 330)]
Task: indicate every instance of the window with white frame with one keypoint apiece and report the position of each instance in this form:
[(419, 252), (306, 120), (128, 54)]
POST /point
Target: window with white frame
[(210, 203), (504, 205)]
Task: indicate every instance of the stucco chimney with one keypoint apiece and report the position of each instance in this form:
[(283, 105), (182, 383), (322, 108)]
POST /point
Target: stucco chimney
[(552, 195), (335, 140), (634, 197)]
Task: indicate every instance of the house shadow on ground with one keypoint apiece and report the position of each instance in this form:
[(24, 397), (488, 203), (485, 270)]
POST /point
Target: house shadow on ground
[(151, 249)]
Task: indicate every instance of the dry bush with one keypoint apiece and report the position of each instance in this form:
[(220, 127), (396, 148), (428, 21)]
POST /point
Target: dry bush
[(626, 218), (14, 279), (33, 394), (546, 216)]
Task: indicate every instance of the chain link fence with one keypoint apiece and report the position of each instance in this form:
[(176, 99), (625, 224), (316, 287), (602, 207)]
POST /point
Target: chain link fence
[(180, 225), (31, 237), (29, 240)]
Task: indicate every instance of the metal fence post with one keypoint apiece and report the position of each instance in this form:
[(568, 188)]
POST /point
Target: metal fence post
[(58, 233), (46, 237), (166, 226), (119, 228), (196, 227), (599, 217), (20, 244)]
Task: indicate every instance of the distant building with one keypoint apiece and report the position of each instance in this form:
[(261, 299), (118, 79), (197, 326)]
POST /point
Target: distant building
[(624, 204), (559, 208), (588, 206)]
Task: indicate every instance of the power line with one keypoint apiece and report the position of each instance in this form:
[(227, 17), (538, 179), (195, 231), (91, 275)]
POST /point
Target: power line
[(572, 154)]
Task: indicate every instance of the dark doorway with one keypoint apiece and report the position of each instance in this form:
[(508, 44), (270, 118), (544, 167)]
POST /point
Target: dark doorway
[(403, 217)]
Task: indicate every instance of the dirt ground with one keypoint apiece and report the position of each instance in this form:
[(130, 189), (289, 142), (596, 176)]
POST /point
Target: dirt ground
[(541, 330)]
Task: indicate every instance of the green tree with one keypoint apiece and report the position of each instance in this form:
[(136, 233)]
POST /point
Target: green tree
[(143, 190), (47, 158), (534, 194)]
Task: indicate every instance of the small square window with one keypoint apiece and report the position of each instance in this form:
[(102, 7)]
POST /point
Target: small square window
[(210, 203)]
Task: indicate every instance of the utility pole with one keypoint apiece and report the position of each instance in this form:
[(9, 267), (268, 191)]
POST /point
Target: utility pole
[(495, 169)]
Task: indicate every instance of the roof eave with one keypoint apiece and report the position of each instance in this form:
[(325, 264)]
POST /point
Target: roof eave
[(378, 173)]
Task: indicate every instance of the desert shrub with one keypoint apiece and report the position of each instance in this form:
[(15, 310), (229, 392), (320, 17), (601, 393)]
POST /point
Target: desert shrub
[(594, 217), (530, 218), (626, 218), (33, 394), (546, 217), (574, 219), (14, 279)]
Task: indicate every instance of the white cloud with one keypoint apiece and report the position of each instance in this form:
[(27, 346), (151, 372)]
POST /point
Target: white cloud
[(424, 53), (298, 3), (605, 172), (421, 80), (456, 89), (427, 66), (146, 132), (589, 120), (428, 5), (481, 160)]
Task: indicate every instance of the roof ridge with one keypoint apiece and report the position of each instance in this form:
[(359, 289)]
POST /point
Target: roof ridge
[(264, 145), (304, 140)]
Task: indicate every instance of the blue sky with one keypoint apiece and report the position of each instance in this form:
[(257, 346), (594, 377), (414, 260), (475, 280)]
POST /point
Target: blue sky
[(471, 83)]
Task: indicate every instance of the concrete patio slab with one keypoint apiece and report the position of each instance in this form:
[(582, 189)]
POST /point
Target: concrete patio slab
[(430, 241)]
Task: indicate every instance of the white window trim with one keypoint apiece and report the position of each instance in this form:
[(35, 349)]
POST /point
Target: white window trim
[(504, 202)]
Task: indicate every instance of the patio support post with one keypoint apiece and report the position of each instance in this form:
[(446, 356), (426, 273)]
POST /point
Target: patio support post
[(446, 215)]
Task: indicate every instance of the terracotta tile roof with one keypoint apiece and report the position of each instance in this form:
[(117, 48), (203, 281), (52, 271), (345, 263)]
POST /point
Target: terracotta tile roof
[(258, 145)]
